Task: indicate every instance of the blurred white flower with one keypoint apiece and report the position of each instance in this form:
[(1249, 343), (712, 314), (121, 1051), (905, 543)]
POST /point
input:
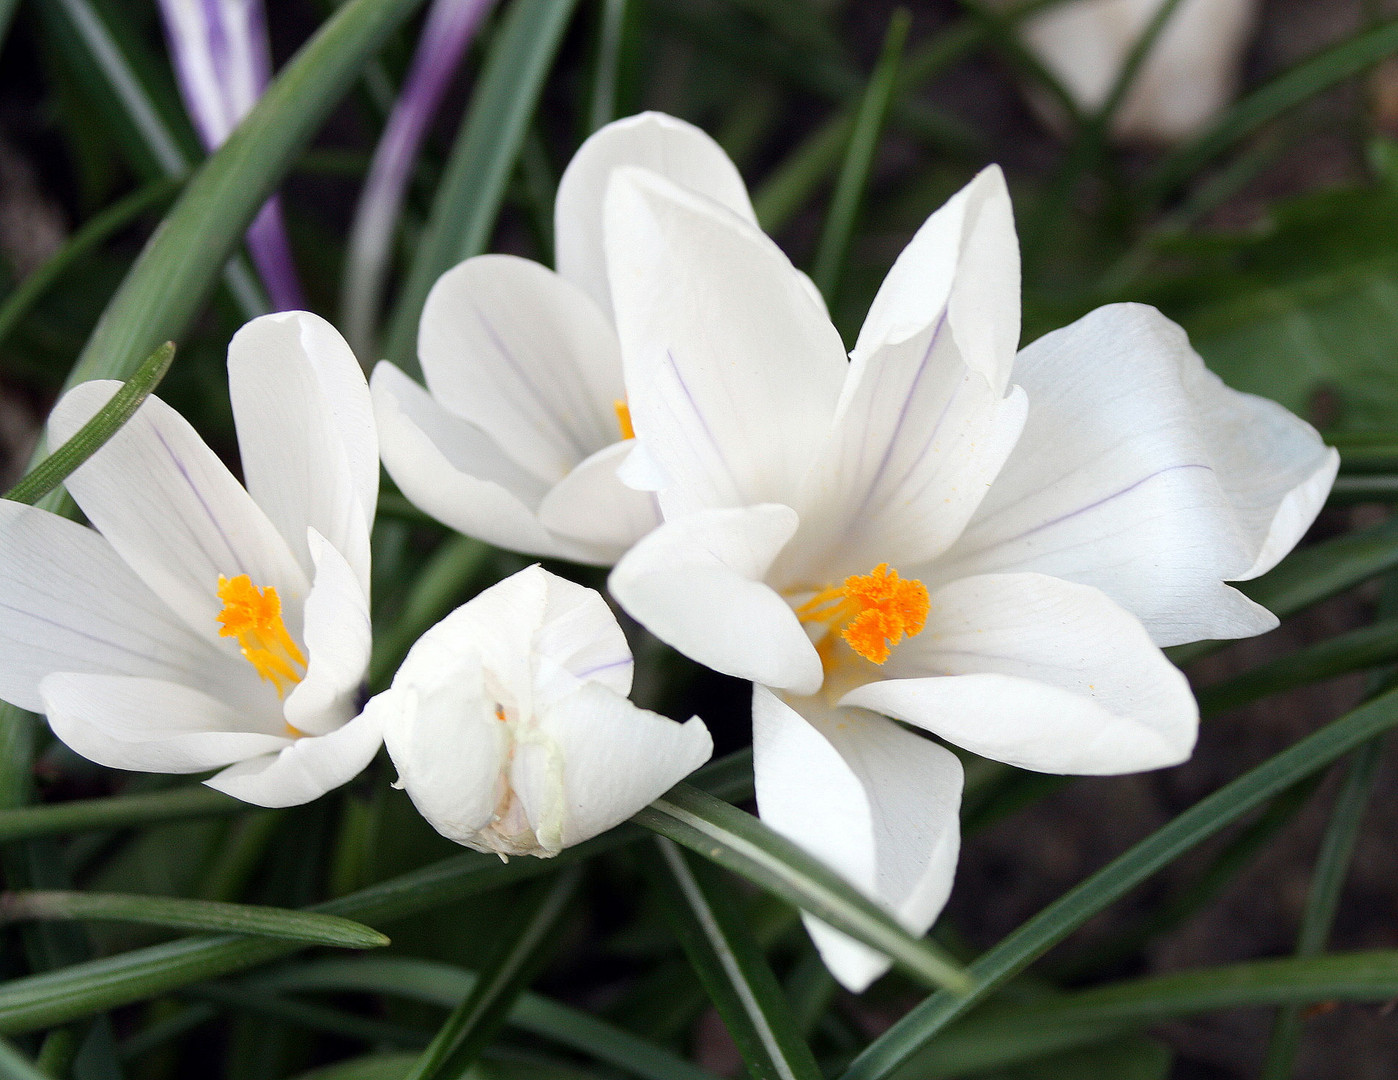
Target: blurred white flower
[(518, 437), (510, 727), (204, 625), (909, 534), (1190, 73)]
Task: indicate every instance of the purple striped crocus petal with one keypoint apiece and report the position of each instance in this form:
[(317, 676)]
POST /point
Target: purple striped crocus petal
[(223, 61), (446, 34), (271, 253)]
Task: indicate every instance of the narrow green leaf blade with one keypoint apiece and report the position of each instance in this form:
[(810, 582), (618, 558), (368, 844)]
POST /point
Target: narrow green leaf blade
[(1050, 926), (604, 81), (1327, 881), (1002, 1036), (167, 284), (91, 437), (15, 1066), (1354, 651), (859, 158), (739, 842), (471, 1026), (442, 984), (732, 968), (179, 913), (1291, 88), (117, 812), (45, 1000), (134, 86)]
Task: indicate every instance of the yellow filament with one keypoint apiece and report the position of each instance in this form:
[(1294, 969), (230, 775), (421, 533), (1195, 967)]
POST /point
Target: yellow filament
[(873, 612), (623, 418), (254, 617)]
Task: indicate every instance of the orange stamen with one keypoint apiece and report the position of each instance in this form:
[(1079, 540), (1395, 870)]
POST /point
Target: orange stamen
[(623, 418), (873, 612), (254, 617)]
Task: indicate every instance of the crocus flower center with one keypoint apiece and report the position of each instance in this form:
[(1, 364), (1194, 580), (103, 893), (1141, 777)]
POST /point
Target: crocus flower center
[(254, 617), (623, 418), (871, 612)]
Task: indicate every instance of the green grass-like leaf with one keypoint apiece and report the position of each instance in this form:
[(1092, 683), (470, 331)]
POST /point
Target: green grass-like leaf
[(739, 842), (520, 955), (117, 812), (1050, 926), (730, 964), (1366, 647), (442, 984), (1007, 1035), (1292, 87), (15, 1066), (859, 159), (90, 438), (178, 913), (169, 281)]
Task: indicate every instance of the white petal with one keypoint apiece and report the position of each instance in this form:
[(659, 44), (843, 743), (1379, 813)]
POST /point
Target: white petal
[(68, 603), (526, 357), (654, 141), (875, 802), (964, 259), (442, 732), (306, 432), (149, 725), (594, 759), (1275, 471), (1041, 673), (592, 505), (918, 441), (497, 628), (452, 471), (531, 616), (306, 769), (338, 641), (577, 632), (696, 583), (733, 371), (173, 511), (1140, 473)]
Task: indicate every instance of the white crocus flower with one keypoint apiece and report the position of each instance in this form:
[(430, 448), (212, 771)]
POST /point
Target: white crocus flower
[(524, 421), (510, 727), (986, 546), (203, 625), (1190, 73)]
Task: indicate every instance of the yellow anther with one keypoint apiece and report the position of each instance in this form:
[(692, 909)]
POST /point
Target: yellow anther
[(873, 612), (623, 418), (254, 617)]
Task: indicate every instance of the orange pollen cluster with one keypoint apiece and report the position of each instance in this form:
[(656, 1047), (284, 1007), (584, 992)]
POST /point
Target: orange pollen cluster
[(623, 418), (873, 611), (254, 617)]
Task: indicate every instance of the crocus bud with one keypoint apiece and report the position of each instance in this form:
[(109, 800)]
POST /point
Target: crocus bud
[(509, 723)]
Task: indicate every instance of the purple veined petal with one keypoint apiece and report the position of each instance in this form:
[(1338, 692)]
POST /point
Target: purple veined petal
[(222, 60), (448, 31), (271, 254)]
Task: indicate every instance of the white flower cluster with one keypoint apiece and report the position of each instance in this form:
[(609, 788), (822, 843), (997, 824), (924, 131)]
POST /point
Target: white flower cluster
[(934, 534)]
